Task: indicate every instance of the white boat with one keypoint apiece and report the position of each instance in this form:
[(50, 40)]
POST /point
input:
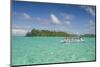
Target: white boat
[(72, 39)]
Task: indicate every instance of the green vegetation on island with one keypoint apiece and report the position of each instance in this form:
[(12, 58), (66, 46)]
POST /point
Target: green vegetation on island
[(35, 32)]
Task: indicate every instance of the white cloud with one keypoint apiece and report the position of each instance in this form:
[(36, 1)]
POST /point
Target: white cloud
[(67, 18), (40, 20), (19, 31), (55, 19), (89, 9), (90, 27), (22, 15), (68, 22), (25, 15), (91, 24)]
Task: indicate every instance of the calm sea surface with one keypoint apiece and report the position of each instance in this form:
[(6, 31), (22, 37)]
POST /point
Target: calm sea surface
[(40, 50)]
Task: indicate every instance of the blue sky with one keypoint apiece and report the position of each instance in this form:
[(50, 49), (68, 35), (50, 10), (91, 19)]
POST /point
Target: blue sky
[(58, 17)]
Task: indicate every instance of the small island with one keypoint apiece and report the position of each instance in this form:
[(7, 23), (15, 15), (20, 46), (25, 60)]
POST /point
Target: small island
[(35, 32)]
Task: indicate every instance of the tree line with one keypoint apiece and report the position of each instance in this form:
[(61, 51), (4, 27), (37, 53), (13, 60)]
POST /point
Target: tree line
[(35, 32)]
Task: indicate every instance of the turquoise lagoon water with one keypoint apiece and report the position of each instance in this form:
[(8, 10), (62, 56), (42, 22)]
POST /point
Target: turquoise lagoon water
[(41, 50)]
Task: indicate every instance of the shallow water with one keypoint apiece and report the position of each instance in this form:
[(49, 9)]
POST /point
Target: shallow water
[(41, 50)]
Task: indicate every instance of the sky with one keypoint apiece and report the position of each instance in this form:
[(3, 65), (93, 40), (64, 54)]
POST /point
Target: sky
[(54, 17)]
